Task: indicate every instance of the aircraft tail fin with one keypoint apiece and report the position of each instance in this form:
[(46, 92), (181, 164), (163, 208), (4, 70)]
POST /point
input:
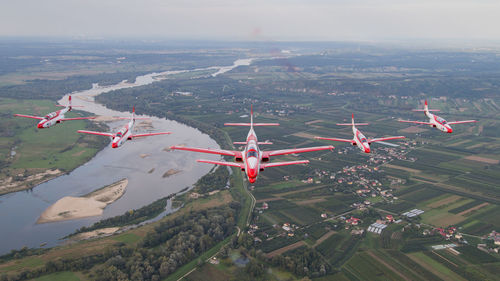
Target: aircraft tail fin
[(251, 116), (251, 124), (352, 122), (426, 108), (133, 113)]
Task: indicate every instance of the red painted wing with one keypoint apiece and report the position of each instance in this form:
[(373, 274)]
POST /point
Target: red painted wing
[(416, 122), (96, 133), (462, 122), (232, 164), (384, 139), (276, 164), (29, 116), (151, 134), (298, 150), (334, 139), (77, 118), (207, 150)]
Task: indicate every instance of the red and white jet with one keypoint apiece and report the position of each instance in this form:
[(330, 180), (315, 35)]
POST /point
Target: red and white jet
[(436, 121), (359, 139), (54, 117), (125, 133), (252, 160)]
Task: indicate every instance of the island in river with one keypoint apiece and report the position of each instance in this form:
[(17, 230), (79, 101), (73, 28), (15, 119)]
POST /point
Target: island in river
[(92, 204)]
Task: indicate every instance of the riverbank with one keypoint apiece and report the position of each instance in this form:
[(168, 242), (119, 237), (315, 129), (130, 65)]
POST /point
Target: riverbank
[(9, 184), (92, 204), (34, 156)]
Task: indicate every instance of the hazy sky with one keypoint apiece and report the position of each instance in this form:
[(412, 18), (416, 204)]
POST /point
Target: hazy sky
[(254, 20)]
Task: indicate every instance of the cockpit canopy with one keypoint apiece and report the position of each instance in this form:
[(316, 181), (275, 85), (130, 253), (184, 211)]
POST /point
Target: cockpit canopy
[(441, 120), (121, 132), (50, 115), (362, 138), (252, 153)]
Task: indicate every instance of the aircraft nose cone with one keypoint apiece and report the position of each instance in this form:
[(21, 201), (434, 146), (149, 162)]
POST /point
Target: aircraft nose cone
[(251, 180), (449, 131), (367, 150), (114, 145), (40, 126), (252, 173)]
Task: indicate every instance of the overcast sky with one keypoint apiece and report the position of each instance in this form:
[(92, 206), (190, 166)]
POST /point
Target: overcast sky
[(331, 20)]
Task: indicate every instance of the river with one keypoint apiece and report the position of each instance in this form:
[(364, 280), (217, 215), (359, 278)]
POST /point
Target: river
[(134, 160)]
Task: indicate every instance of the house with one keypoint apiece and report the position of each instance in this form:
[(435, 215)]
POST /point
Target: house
[(286, 227), (389, 218), (353, 221)]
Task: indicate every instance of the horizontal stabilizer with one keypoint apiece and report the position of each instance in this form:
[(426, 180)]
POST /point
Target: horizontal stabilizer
[(244, 142), (60, 105), (350, 124), (136, 118), (249, 124)]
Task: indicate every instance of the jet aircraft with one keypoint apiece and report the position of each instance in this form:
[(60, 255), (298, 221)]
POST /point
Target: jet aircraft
[(359, 139), (252, 160), (54, 117), (125, 133), (436, 121)]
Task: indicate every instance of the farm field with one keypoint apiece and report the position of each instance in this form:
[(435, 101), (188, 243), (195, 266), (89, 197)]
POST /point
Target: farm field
[(29, 151)]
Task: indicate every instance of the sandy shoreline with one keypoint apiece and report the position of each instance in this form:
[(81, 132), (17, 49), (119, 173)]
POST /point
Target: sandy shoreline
[(95, 233), (92, 204), (9, 185)]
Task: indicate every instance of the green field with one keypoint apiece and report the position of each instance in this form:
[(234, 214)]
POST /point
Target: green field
[(37, 150)]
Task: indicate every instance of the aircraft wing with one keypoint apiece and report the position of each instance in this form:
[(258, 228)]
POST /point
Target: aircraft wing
[(150, 134), (207, 150), (29, 116), (223, 163), (298, 150), (384, 139), (276, 164), (416, 122), (77, 118), (334, 139), (462, 122), (96, 133)]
